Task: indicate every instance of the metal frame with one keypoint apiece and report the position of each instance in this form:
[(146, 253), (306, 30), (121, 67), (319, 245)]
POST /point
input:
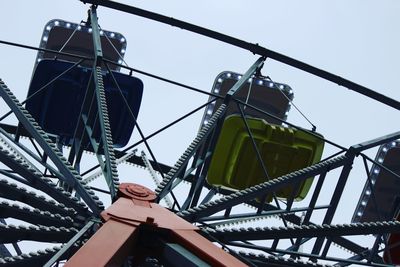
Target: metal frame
[(254, 48), (66, 214), (94, 114)]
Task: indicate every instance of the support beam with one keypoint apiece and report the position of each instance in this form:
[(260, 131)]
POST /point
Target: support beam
[(94, 115), (206, 150), (254, 48), (126, 231), (72, 178), (261, 189), (306, 231), (375, 142), (69, 244)]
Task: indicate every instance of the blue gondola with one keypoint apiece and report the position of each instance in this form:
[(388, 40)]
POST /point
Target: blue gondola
[(57, 107)]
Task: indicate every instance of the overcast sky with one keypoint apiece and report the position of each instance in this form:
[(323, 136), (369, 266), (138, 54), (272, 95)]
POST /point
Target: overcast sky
[(358, 40)]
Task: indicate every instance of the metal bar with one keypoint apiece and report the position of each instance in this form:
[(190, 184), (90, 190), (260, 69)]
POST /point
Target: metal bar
[(355, 257), (375, 203), (156, 180), (92, 140), (68, 245), (43, 87), (259, 158), (164, 79), (341, 241), (290, 200), (45, 50), (261, 162), (227, 212), (35, 233), (363, 255), (4, 252), (165, 185), (35, 217), (313, 201), (19, 193), (210, 144), (333, 155), (36, 148), (244, 216), (302, 254), (383, 167), (34, 179), (48, 147), (29, 152), (254, 48), (111, 171), (135, 121), (79, 136), (375, 142), (335, 199), (99, 190), (196, 186), (195, 165), (326, 247), (14, 177), (119, 160), (158, 167), (253, 142), (201, 158), (137, 159), (261, 189), (313, 127), (209, 195), (244, 79), (290, 124), (231, 251), (207, 250), (375, 248), (98, 52), (296, 246)]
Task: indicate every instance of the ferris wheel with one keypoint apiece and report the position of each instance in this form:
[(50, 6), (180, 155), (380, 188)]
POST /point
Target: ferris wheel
[(245, 191)]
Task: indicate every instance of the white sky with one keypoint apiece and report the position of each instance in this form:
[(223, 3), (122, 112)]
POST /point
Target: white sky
[(358, 40)]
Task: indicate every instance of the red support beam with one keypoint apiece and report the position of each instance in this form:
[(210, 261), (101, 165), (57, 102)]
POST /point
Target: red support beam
[(118, 237)]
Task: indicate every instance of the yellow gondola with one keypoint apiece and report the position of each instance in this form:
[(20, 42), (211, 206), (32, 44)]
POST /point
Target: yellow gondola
[(235, 166)]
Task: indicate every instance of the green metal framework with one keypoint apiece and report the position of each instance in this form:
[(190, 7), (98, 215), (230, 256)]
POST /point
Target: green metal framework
[(70, 213)]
